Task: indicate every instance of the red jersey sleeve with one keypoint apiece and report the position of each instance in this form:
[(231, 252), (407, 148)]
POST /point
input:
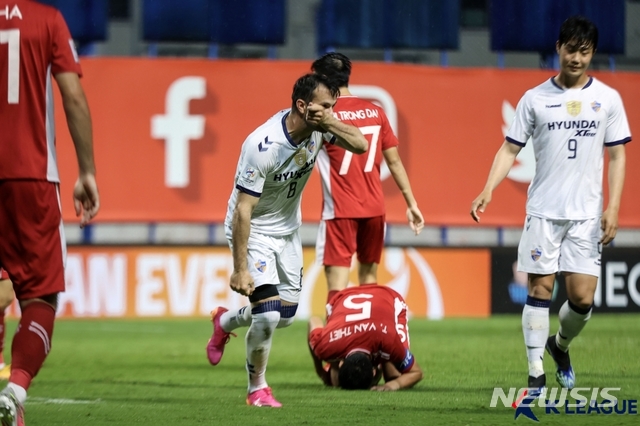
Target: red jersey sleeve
[(389, 139), (64, 57)]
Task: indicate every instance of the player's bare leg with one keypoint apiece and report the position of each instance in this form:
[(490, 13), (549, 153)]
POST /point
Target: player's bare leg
[(367, 273), (573, 316), (337, 279), (6, 298), (535, 325)]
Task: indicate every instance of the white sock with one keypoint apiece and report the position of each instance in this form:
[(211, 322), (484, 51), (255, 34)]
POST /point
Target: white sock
[(258, 341), (535, 328), (231, 320), (19, 392), (571, 324)]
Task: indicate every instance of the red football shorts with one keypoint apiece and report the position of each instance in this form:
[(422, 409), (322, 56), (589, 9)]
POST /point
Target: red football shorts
[(343, 237), (33, 247)]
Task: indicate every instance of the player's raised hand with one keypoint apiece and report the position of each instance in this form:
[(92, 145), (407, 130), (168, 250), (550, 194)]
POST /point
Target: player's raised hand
[(242, 282), (415, 218), (479, 204), (609, 226), (317, 115), (86, 199)]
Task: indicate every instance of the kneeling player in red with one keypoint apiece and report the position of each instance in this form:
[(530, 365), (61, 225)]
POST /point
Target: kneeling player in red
[(366, 335)]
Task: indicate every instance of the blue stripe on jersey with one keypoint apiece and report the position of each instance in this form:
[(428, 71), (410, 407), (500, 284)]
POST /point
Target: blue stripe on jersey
[(288, 311), (286, 132), (248, 191), (268, 306), (515, 142), (622, 141)]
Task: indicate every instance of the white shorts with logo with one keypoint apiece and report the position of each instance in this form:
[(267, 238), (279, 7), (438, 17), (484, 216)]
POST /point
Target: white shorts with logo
[(548, 246), (278, 261)]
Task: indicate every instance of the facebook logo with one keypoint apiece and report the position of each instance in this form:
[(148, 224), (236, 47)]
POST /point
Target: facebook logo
[(177, 127)]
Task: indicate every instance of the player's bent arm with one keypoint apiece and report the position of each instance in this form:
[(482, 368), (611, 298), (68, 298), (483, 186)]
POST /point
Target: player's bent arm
[(617, 165), (316, 323), (502, 162), (241, 228), (347, 136), (403, 381), (78, 117), (414, 215), (241, 280)]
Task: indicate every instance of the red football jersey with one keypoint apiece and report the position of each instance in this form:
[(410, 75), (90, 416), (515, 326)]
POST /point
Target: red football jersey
[(351, 185), (35, 44), (368, 318)]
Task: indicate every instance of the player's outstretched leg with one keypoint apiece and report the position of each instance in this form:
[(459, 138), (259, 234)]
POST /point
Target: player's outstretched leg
[(220, 337), (564, 372), (11, 411)]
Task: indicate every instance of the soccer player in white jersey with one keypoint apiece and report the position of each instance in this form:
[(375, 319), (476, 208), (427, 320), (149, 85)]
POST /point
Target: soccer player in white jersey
[(571, 118), (263, 218)]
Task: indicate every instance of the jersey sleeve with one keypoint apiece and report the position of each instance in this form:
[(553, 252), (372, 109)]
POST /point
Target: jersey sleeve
[(253, 169), (404, 363), (522, 126), (64, 55), (617, 131), (388, 138)]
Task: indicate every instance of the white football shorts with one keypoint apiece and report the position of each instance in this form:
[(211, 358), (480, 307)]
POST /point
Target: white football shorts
[(548, 246), (276, 260)]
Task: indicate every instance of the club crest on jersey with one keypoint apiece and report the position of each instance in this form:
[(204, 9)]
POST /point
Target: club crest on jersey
[(311, 147), (536, 253), (249, 174), (301, 157), (574, 107), (261, 265), (595, 105)]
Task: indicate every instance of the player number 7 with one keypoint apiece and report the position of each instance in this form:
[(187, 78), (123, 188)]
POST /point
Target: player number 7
[(12, 38), (374, 131)]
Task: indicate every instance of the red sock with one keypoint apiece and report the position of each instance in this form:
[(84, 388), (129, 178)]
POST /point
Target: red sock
[(331, 294), (31, 343), (1, 336)]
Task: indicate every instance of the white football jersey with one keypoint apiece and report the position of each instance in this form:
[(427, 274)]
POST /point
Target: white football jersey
[(569, 129), (275, 169)]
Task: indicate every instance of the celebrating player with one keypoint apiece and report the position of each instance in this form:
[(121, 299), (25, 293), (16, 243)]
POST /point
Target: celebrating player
[(263, 219), (353, 212), (570, 118), (366, 328), (35, 44)]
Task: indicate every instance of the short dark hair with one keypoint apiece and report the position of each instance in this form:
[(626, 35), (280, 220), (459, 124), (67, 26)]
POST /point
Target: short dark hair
[(356, 372), (580, 29), (307, 84), (335, 66)]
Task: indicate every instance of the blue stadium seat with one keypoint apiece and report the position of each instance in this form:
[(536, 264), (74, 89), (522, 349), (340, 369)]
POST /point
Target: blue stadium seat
[(87, 20), (215, 21), (387, 24), (533, 25)]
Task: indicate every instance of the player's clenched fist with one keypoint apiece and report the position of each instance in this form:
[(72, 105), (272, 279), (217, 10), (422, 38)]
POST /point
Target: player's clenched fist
[(241, 282)]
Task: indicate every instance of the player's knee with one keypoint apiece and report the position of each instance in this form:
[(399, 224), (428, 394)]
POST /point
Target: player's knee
[(6, 299), (287, 314)]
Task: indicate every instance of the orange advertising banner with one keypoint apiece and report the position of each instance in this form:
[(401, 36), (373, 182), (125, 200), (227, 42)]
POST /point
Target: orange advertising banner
[(136, 282), (168, 134)]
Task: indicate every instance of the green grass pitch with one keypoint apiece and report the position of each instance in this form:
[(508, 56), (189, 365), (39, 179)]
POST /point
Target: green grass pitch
[(155, 372)]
